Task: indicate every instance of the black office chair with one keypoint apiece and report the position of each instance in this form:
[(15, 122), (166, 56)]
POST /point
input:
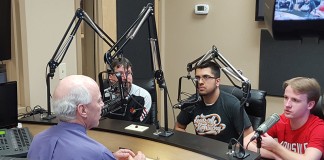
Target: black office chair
[(148, 84), (103, 83), (256, 108), (318, 110)]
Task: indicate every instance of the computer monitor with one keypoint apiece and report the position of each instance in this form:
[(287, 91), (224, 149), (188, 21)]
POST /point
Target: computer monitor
[(288, 19), (8, 105)]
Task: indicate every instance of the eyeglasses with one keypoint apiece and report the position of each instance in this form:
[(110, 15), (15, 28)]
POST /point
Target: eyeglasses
[(124, 73), (205, 78)]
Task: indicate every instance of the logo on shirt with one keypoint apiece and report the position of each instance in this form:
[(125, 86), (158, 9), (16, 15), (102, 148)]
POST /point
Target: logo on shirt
[(295, 147), (209, 124)]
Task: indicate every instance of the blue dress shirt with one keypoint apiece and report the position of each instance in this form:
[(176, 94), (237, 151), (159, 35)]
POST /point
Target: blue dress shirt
[(67, 141)]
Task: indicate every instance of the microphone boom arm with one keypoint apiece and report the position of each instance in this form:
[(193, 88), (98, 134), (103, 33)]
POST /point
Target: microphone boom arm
[(147, 14), (60, 51), (128, 35), (158, 74), (227, 69), (62, 48), (213, 54)]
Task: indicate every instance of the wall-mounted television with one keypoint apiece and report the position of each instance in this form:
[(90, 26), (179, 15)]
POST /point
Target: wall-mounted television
[(259, 10), (291, 19)]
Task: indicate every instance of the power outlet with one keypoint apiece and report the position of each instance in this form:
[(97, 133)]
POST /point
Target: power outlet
[(62, 70)]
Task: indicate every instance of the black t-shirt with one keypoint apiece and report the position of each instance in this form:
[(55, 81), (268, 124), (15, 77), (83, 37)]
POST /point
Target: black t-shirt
[(132, 112), (220, 121)]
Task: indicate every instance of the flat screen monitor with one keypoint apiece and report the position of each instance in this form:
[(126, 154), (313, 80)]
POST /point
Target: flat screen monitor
[(302, 10), (8, 105), (294, 18)]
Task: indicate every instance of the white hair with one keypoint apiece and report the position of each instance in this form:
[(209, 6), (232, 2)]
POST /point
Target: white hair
[(65, 107)]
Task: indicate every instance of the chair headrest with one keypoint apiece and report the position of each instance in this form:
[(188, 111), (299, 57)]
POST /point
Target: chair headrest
[(318, 109), (148, 84), (256, 103)]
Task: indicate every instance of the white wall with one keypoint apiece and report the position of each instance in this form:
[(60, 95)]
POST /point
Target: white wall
[(229, 25), (43, 23), (183, 37)]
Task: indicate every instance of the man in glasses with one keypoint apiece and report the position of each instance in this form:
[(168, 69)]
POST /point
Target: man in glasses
[(217, 116), (138, 99)]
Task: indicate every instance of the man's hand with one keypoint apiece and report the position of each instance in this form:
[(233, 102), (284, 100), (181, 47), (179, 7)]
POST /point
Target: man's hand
[(139, 156), (268, 142), (124, 154)]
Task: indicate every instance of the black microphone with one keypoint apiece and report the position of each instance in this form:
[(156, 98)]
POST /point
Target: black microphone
[(120, 84), (188, 102), (265, 126), (111, 106), (192, 100)]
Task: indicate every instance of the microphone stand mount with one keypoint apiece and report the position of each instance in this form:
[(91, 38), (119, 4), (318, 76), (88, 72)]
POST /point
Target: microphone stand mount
[(259, 139)]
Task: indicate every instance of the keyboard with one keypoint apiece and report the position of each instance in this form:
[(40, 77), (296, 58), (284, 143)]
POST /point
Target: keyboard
[(14, 142)]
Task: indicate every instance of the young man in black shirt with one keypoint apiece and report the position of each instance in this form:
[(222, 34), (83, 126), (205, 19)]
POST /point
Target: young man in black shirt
[(217, 116)]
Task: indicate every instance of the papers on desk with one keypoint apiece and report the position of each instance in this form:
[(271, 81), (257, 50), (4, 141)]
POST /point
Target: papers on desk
[(137, 128)]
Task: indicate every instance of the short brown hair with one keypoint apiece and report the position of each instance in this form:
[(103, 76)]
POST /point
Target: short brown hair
[(215, 68), (305, 85), (121, 62)]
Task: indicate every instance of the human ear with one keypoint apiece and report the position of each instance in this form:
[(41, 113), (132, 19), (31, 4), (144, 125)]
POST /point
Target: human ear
[(217, 81), (82, 110), (310, 105)]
